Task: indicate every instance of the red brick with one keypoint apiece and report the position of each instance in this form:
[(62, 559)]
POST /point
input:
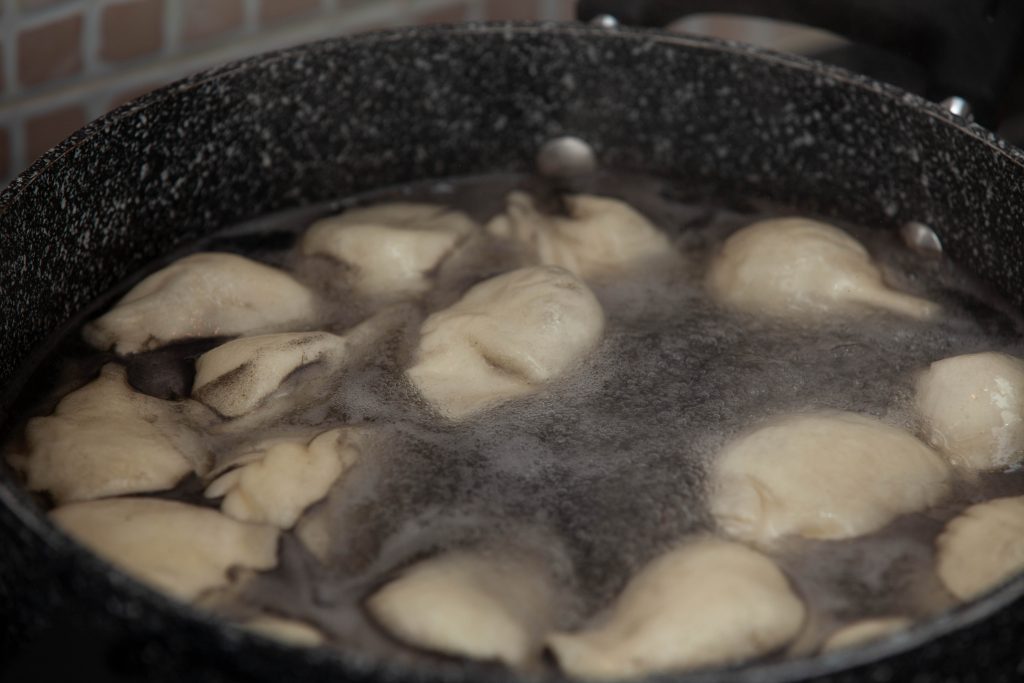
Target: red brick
[(272, 11), (45, 130), (126, 96), (449, 14), (29, 5), (205, 19), (512, 10), (5, 154), (131, 29), (567, 10), (50, 51)]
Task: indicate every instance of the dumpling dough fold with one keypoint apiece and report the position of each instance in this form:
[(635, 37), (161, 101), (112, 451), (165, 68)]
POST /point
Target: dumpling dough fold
[(708, 602), (823, 475), (504, 338), (600, 237), (202, 295), (972, 407), (391, 249), (469, 604), (982, 547), (798, 266), (279, 484), (236, 377), (180, 549), (107, 440), (865, 631)]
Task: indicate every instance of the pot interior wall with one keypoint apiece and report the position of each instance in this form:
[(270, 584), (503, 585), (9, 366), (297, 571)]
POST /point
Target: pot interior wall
[(344, 116)]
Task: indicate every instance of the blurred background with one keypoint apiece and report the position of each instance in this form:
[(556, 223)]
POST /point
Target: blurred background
[(66, 62)]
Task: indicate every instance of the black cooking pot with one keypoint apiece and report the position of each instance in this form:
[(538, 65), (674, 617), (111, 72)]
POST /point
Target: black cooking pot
[(344, 116)]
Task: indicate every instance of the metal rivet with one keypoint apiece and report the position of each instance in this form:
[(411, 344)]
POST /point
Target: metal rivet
[(604, 21), (957, 106), (921, 238), (566, 157)]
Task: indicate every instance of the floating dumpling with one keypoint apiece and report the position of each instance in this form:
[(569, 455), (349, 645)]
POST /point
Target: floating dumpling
[(982, 547), (236, 377), (277, 486), (865, 631), (470, 604), (107, 440), (599, 237), (972, 408), (181, 549), (505, 338), (202, 295), (708, 602), (794, 266), (825, 475), (391, 249)]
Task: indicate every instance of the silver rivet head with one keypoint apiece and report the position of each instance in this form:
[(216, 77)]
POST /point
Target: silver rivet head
[(921, 238), (957, 106), (604, 21), (565, 158)]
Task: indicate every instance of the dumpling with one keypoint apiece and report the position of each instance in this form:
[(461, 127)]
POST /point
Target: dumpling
[(972, 408), (236, 377), (202, 295), (982, 547), (469, 604), (600, 237), (505, 338), (391, 248), (705, 603), (178, 548), (795, 266), (865, 631), (823, 475), (107, 440), (289, 477), (287, 631)]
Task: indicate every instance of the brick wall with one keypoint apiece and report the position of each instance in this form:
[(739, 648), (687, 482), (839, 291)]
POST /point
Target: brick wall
[(65, 62)]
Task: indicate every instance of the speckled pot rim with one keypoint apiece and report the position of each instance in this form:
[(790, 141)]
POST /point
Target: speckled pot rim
[(225, 635)]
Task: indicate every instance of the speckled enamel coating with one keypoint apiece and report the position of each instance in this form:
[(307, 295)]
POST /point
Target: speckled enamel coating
[(343, 116)]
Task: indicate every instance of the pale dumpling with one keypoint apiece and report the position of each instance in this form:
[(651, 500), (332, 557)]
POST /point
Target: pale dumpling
[(798, 266), (600, 236), (202, 295), (708, 602), (470, 604), (236, 377), (972, 409), (505, 338), (982, 547), (865, 631), (826, 475), (286, 478), (107, 440), (178, 548), (287, 631), (391, 249)]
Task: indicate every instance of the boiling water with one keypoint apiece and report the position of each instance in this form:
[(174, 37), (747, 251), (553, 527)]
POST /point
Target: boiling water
[(604, 469)]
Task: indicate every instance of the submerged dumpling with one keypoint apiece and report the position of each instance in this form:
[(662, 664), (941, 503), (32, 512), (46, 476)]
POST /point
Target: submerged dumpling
[(794, 266), (181, 549), (279, 484), (972, 408), (107, 440), (390, 248), (982, 547), (504, 338), (470, 604), (237, 376), (202, 295), (708, 602), (865, 631), (601, 236), (824, 475), (287, 631)]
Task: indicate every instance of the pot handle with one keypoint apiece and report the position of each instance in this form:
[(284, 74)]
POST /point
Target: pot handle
[(968, 48)]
